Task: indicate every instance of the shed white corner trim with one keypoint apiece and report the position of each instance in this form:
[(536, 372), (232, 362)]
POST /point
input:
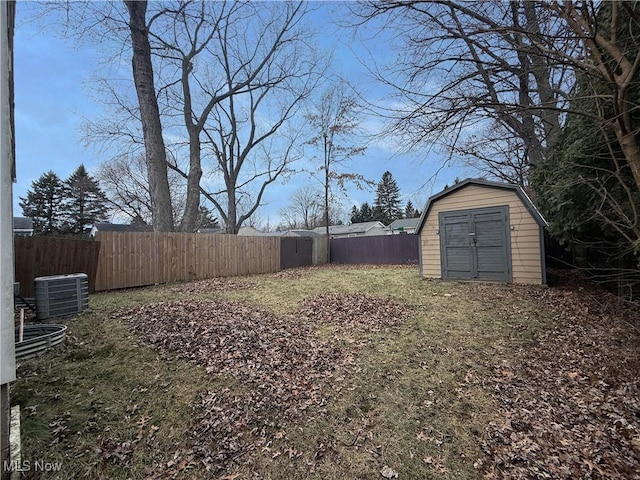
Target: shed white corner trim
[(485, 231)]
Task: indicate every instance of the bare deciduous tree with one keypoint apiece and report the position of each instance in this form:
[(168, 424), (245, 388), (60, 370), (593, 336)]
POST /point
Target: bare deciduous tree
[(334, 123), (124, 181), (143, 78), (605, 57), (240, 73), (473, 79), (304, 210), (505, 75)]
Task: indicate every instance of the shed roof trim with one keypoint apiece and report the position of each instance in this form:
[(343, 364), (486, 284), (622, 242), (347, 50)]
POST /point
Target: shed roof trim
[(524, 198)]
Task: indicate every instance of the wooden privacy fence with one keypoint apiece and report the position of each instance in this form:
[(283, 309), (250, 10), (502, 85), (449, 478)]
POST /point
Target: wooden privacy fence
[(42, 256), (131, 259), (381, 249)]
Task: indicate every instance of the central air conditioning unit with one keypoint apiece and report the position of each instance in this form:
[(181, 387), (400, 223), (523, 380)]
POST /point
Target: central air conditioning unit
[(59, 295)]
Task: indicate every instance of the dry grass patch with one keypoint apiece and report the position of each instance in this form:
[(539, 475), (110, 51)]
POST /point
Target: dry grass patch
[(284, 291), (102, 404), (208, 286)]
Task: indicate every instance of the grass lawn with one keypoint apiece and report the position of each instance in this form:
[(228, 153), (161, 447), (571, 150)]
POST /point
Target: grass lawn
[(337, 372)]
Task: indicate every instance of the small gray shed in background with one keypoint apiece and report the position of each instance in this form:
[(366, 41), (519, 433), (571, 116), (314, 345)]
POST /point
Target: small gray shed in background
[(480, 230)]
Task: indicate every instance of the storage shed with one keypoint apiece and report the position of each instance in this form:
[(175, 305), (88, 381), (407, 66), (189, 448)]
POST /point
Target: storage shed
[(480, 230)]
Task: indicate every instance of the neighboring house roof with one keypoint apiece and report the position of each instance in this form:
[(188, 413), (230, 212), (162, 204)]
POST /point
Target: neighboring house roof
[(404, 223), (301, 233), (289, 233), (22, 223), (249, 231), (211, 230), (120, 227), (524, 198), (350, 229)]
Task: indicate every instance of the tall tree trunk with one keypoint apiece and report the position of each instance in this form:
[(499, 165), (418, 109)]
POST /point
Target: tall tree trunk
[(326, 196), (162, 217), (192, 203), (631, 150), (232, 217), (602, 46), (194, 127), (542, 72)]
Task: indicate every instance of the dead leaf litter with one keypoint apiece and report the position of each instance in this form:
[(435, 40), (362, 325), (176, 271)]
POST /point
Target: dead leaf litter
[(279, 361), (570, 398)]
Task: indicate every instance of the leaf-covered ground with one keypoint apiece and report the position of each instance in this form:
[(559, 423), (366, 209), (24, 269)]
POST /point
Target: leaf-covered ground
[(280, 361), (570, 399)]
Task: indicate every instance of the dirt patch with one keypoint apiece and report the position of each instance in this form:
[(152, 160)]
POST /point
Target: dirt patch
[(570, 398)]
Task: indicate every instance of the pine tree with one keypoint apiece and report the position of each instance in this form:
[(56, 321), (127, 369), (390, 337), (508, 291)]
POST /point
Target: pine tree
[(44, 204), (85, 203), (206, 219), (387, 204), (410, 211), (366, 214), (587, 189), (356, 216)]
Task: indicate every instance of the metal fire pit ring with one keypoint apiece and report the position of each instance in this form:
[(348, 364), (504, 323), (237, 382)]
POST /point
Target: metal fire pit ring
[(37, 338)]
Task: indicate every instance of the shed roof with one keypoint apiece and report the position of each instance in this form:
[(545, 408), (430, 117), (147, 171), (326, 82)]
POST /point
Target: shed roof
[(524, 198), (292, 233), (302, 233), (249, 231)]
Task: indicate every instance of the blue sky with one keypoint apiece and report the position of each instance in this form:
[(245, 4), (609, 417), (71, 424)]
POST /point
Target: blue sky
[(54, 93)]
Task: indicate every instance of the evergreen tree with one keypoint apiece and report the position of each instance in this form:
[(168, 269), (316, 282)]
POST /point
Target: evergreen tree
[(44, 204), (356, 216), (85, 203), (366, 214), (587, 190), (410, 211), (206, 218), (387, 205)]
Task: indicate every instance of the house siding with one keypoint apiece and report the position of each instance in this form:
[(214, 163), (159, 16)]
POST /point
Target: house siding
[(526, 250)]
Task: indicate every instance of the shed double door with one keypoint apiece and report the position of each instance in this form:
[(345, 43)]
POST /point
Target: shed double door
[(475, 244)]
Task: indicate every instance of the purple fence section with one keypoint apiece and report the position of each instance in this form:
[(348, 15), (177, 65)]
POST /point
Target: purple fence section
[(383, 249)]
